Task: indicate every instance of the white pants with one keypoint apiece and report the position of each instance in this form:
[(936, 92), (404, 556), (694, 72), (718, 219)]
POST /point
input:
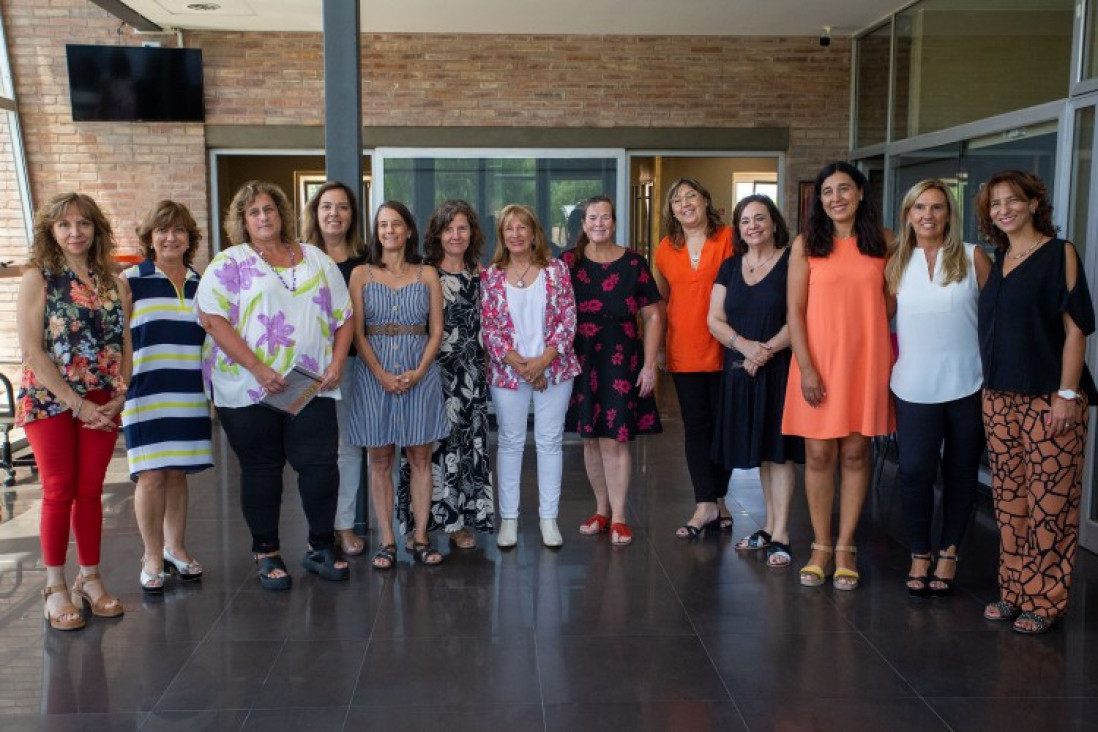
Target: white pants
[(350, 456), (512, 408)]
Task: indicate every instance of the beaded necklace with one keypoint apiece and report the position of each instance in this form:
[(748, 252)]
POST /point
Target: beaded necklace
[(292, 287)]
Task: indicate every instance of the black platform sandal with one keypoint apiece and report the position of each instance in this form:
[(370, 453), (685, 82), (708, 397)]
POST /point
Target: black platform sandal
[(323, 562), (270, 564), (922, 588)]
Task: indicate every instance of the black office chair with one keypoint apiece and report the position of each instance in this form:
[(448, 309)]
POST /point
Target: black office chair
[(7, 424)]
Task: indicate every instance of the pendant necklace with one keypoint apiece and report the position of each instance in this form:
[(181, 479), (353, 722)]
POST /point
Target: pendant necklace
[(292, 287), (522, 277), (751, 269)]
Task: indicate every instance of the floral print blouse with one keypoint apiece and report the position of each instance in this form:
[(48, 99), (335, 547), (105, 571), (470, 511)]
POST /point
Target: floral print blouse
[(284, 327), (499, 330), (82, 334)]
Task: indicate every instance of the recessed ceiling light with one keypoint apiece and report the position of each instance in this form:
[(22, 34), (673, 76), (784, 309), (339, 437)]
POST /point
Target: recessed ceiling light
[(203, 6)]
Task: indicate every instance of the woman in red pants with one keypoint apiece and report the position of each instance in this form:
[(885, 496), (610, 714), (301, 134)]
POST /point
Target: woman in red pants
[(73, 312)]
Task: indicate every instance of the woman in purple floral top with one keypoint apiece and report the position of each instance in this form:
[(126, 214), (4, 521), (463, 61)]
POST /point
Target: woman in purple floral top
[(76, 363), (612, 401), (271, 304)]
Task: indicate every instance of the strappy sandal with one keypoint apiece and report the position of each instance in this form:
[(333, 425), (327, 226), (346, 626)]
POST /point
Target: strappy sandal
[(188, 571), (350, 543), (690, 531), (57, 621), (846, 579), (426, 554), (1039, 624), (725, 524), (152, 584), (779, 555), (1001, 611), (271, 563), (947, 582), (597, 524), (813, 575), (919, 586), (105, 607), (759, 540), (385, 553), (620, 534), (323, 562)]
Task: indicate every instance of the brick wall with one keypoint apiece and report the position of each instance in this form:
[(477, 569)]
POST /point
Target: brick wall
[(411, 79)]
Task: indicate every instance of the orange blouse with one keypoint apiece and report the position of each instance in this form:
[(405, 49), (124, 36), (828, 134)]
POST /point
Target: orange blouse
[(690, 346)]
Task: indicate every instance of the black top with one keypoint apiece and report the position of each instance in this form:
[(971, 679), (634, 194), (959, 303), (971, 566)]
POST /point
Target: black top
[(1021, 323), (345, 268)]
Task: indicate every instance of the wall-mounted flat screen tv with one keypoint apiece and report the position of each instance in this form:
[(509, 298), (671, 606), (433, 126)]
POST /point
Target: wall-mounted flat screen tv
[(135, 84)]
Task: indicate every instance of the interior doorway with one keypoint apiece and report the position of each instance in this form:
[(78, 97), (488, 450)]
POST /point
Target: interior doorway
[(728, 176)]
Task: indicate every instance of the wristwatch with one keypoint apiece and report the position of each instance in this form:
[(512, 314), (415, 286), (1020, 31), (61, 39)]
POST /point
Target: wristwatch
[(1068, 394)]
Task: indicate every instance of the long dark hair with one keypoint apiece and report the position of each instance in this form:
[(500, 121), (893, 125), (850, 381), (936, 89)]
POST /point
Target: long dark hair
[(671, 226), (373, 254), (820, 233), (356, 247), (781, 230), (1028, 186), (582, 241), (444, 216)]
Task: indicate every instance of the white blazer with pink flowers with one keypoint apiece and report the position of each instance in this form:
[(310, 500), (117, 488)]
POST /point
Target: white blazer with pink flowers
[(499, 330)]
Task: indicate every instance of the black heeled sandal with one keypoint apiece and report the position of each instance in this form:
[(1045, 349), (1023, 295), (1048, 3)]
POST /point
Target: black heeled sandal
[(923, 587), (947, 589)]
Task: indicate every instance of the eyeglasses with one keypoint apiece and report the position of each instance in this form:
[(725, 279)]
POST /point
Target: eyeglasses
[(690, 197)]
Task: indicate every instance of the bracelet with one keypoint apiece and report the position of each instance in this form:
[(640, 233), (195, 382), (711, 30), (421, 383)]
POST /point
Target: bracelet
[(732, 343), (79, 406)]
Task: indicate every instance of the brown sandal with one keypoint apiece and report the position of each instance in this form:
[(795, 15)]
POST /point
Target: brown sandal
[(57, 620), (349, 542), (105, 607)]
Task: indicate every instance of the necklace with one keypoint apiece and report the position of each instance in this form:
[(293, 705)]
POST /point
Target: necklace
[(522, 277), (758, 265), (1026, 253), (292, 287)]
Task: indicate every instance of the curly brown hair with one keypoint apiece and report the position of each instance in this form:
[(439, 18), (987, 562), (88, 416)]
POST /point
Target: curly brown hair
[(1028, 186), (164, 215), (443, 217), (235, 217), (46, 252)]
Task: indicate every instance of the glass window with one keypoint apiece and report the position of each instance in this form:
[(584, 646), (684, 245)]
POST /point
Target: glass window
[(964, 166), (1082, 160), (1090, 41), (551, 186), (959, 61), (871, 85)]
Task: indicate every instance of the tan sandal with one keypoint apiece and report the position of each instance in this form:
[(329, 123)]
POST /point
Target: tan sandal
[(57, 619), (463, 539), (105, 607), (846, 579), (813, 575), (349, 542)]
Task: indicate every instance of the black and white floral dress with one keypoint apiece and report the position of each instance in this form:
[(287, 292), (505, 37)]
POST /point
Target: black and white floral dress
[(462, 494)]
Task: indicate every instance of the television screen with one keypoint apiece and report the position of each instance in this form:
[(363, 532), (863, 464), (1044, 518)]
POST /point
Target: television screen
[(135, 84)]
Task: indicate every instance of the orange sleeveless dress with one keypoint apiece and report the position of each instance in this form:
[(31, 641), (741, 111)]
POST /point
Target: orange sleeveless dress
[(848, 338)]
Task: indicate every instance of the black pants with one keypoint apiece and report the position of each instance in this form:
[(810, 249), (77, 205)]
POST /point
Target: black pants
[(263, 441), (950, 433), (698, 394)]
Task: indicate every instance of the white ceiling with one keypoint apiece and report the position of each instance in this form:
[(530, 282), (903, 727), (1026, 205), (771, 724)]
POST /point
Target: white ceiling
[(627, 17)]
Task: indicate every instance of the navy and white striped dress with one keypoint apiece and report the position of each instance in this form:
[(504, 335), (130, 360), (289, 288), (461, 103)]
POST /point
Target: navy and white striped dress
[(417, 417), (166, 419)]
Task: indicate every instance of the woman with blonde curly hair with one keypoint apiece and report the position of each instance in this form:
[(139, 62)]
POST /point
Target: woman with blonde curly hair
[(936, 380), (76, 364)]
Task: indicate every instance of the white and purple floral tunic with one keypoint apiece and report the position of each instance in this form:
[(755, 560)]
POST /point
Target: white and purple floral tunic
[(283, 327)]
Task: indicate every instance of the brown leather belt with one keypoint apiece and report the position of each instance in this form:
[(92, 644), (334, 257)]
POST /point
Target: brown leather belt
[(394, 329)]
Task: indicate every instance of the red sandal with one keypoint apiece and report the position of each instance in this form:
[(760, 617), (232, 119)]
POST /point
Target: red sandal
[(620, 535), (597, 524)]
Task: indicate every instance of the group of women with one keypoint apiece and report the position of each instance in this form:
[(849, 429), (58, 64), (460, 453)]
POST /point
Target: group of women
[(780, 353)]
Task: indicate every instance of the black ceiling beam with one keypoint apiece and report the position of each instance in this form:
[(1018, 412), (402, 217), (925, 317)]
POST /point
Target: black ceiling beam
[(127, 15)]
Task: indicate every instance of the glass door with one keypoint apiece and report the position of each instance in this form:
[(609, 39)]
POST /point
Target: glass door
[(1081, 227)]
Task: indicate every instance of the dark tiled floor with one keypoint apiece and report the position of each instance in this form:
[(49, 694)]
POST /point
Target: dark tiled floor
[(662, 635)]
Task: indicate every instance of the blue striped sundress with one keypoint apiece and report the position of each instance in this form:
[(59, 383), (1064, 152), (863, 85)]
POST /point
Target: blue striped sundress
[(166, 420), (377, 417)]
